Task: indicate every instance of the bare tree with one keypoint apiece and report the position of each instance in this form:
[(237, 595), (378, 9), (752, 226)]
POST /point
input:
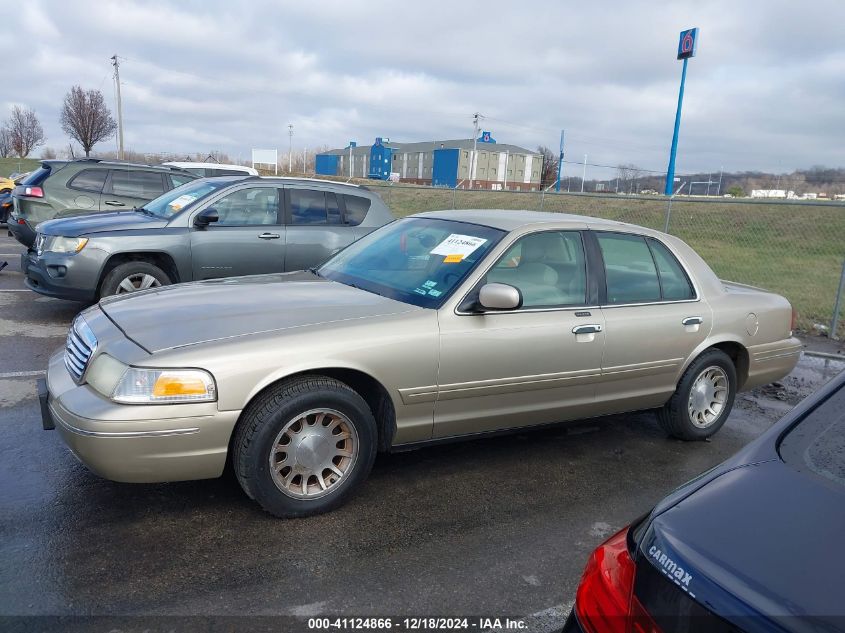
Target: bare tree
[(25, 131), (86, 118), (627, 176), (5, 142), (549, 173)]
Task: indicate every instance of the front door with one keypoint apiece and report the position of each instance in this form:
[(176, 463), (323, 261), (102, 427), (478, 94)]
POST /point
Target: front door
[(534, 365), (248, 239), (653, 321)]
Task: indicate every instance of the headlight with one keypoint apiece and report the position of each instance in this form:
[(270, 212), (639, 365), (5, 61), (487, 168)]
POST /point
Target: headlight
[(65, 244), (143, 386)]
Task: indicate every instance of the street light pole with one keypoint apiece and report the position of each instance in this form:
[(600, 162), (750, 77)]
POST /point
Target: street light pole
[(472, 159), (116, 65), (290, 148), (584, 173)]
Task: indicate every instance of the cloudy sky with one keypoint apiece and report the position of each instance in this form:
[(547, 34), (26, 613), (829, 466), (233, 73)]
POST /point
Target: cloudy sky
[(766, 91)]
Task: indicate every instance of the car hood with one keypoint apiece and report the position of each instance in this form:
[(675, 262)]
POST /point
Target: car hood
[(759, 542), (89, 223), (188, 314)]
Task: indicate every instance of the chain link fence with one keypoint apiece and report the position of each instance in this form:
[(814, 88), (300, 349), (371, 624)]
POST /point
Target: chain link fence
[(796, 249)]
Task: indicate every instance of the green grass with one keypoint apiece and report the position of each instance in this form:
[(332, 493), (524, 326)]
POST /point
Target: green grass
[(9, 165), (796, 250)]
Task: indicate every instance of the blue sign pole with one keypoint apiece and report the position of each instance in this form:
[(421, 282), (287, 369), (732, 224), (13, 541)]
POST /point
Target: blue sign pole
[(559, 163), (687, 47), (670, 174)]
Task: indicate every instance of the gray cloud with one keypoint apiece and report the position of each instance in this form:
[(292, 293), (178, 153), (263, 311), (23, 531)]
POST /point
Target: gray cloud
[(765, 92)]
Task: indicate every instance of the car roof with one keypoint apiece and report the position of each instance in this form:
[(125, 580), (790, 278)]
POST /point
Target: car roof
[(306, 181), (122, 163), (187, 164), (511, 219)]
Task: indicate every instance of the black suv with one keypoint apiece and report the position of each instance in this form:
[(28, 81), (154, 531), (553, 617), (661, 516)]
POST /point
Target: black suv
[(60, 188)]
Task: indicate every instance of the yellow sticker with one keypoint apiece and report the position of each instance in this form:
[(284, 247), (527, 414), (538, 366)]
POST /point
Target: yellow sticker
[(453, 259)]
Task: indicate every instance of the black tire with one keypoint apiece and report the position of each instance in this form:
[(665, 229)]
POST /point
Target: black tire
[(267, 416), (674, 416), (116, 275)]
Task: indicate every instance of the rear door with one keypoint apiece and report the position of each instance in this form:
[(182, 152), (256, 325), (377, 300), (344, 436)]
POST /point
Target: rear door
[(128, 188), (85, 189), (249, 238), (653, 319), (315, 227)]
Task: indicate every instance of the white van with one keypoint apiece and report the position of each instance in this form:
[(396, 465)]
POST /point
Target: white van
[(207, 170)]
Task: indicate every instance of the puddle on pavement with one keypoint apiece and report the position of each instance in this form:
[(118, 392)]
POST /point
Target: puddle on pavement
[(810, 374)]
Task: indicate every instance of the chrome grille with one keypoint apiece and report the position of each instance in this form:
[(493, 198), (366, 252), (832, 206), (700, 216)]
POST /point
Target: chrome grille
[(79, 347)]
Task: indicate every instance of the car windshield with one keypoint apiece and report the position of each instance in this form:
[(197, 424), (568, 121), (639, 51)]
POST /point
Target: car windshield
[(417, 260), (179, 199)]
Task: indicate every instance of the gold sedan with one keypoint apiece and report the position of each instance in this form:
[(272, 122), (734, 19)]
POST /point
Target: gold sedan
[(440, 326)]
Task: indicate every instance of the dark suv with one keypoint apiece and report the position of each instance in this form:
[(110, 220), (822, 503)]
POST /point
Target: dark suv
[(209, 228), (59, 188)]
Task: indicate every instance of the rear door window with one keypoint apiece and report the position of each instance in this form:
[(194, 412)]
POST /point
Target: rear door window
[(89, 180), (145, 185), (630, 271), (307, 206)]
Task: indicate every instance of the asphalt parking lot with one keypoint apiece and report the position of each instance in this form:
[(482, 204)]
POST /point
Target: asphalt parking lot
[(500, 526)]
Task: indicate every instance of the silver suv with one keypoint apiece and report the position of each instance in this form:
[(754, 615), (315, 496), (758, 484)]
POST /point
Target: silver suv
[(205, 229)]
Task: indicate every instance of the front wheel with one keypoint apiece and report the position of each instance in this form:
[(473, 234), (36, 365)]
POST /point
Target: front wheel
[(304, 446), (703, 399), (131, 277)]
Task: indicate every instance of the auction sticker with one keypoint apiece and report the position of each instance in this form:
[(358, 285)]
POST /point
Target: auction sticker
[(181, 201), (457, 244)]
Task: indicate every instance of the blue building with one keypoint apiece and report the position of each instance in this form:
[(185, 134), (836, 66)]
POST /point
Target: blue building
[(448, 163)]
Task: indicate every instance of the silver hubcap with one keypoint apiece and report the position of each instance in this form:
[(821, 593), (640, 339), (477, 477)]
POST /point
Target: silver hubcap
[(708, 396), (313, 453), (137, 281)]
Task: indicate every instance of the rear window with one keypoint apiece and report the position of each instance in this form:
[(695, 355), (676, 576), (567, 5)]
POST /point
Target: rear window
[(356, 209), (37, 176), (816, 446)]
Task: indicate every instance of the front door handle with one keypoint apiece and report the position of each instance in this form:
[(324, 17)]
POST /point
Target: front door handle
[(269, 236), (693, 320), (587, 329), (114, 203)]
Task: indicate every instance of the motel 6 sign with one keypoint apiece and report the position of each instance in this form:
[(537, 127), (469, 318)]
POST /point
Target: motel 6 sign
[(687, 43)]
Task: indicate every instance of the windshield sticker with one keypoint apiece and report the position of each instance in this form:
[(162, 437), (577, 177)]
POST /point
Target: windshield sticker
[(182, 201), (429, 284), (434, 293), (421, 291), (453, 259), (457, 244)]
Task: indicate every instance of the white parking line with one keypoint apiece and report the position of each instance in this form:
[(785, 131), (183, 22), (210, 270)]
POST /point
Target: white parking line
[(23, 374)]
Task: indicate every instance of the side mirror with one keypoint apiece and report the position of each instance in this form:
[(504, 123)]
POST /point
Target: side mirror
[(206, 217), (499, 297)]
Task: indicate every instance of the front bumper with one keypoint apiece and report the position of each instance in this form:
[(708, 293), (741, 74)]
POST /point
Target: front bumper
[(137, 443), (72, 277)]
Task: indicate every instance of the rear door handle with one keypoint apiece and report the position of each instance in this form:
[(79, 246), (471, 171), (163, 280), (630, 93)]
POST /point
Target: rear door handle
[(694, 320), (114, 203), (587, 329), (269, 236)]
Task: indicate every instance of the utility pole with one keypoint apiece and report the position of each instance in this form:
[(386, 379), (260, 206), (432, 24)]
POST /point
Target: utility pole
[(473, 160), (584, 173), (559, 163), (719, 189), (290, 148), (116, 65)]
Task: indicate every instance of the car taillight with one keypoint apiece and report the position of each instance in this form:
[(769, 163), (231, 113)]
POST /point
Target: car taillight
[(21, 221), (605, 602), (33, 192)]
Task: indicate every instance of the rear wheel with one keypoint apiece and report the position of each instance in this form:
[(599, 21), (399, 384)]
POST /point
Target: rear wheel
[(704, 398), (131, 277), (304, 446)]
